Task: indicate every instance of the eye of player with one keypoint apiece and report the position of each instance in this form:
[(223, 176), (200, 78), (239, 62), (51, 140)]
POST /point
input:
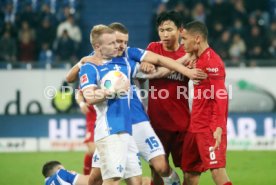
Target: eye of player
[(112, 43), (169, 29), (161, 30)]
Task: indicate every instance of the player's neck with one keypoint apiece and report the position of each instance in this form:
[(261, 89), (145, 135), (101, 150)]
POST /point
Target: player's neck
[(171, 48), (102, 59), (201, 48)]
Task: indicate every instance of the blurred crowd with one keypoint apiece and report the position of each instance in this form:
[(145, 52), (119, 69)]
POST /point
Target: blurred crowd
[(243, 32), (39, 31), (43, 32)]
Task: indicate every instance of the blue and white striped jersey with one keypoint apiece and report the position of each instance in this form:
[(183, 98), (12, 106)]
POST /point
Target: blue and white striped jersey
[(62, 177), (138, 113), (135, 56), (113, 115)]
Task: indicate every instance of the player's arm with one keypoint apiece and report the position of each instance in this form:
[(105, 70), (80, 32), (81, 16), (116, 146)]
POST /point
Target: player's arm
[(72, 74), (82, 180), (89, 85), (162, 72), (187, 59), (171, 64), (81, 102), (219, 107), (94, 95)]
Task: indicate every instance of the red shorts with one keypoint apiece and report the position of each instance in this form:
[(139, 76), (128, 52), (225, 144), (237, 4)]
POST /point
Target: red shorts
[(172, 142), (90, 124), (197, 156)]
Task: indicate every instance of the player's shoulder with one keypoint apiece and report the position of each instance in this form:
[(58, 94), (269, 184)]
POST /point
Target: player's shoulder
[(215, 65), (181, 51), (154, 45), (133, 50), (212, 58), (87, 66)]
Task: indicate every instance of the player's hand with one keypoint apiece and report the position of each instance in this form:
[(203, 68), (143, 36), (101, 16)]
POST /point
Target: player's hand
[(84, 107), (93, 59), (196, 74), (217, 136), (147, 68)]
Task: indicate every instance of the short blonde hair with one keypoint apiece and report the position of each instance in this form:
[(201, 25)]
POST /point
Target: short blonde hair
[(97, 31)]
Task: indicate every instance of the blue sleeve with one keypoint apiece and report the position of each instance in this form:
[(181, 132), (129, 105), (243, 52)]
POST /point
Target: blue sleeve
[(88, 76), (67, 176), (134, 66), (135, 54)]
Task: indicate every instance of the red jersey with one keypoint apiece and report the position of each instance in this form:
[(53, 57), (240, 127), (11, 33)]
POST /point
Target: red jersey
[(210, 101), (171, 113), (90, 124)]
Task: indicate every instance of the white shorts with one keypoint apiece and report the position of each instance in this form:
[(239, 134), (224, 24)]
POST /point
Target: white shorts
[(149, 145), (96, 159), (119, 156)]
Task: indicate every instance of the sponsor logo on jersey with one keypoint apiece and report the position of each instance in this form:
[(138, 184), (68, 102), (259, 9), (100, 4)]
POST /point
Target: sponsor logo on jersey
[(213, 162), (84, 79), (212, 70), (104, 69)]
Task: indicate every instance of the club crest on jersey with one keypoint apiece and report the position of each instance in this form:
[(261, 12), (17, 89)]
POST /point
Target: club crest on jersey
[(116, 67), (84, 79)]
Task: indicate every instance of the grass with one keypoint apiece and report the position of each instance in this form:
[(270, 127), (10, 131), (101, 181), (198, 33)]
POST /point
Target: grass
[(244, 167)]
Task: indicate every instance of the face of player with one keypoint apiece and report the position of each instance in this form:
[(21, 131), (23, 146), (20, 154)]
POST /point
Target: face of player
[(169, 34), (108, 46), (189, 41), (122, 41)]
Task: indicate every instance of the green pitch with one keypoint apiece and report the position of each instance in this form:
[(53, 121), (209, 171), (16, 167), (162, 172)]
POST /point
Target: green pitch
[(244, 168)]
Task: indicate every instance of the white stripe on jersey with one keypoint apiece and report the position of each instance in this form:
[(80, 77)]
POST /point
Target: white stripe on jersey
[(143, 56)]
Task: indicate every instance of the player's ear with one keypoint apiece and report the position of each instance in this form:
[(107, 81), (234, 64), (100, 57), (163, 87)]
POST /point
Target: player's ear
[(197, 39), (96, 46)]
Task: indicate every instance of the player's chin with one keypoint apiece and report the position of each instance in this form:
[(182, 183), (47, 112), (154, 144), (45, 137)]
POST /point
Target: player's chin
[(114, 54), (120, 53)]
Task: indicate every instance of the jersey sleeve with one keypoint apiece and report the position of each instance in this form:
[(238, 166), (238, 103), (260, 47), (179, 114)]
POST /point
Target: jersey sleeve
[(88, 76), (135, 54), (67, 176), (216, 76), (134, 68)]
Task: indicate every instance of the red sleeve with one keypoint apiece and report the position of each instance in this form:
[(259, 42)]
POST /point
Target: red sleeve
[(220, 101)]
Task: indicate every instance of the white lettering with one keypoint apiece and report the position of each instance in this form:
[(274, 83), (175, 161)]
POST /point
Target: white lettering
[(184, 92), (231, 133), (269, 128), (77, 128), (55, 132), (246, 128), (152, 92), (166, 94), (209, 93), (212, 70)]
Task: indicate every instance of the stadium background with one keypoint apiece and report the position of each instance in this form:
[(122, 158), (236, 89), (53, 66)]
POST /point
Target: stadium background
[(36, 53)]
